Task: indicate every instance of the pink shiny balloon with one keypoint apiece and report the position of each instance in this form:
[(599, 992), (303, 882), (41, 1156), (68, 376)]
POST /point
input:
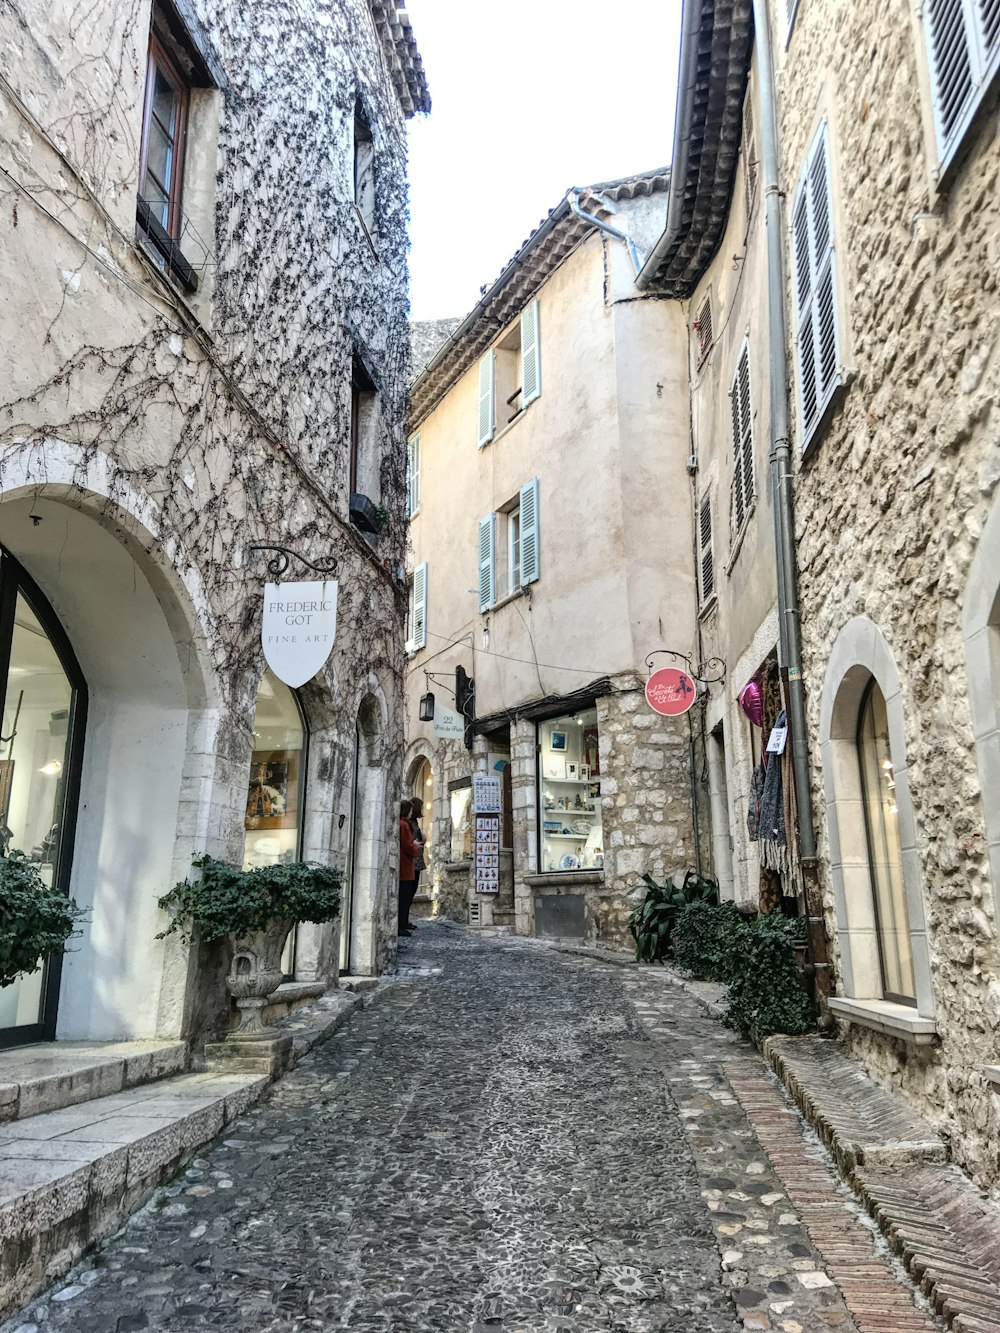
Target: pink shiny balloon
[(751, 700)]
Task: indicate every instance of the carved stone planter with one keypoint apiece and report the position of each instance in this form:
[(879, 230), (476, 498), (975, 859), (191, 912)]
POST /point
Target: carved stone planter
[(254, 975)]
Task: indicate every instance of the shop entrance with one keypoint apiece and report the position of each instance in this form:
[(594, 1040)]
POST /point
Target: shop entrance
[(41, 749)]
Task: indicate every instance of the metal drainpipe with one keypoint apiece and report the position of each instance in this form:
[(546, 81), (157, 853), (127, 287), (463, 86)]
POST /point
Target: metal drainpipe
[(789, 616), (574, 202)]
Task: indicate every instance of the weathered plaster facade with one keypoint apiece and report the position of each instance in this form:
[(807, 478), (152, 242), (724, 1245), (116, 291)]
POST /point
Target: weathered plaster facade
[(608, 441), (893, 499), (148, 438)]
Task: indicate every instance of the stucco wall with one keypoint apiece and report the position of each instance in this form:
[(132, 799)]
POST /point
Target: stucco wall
[(892, 498), (190, 429)]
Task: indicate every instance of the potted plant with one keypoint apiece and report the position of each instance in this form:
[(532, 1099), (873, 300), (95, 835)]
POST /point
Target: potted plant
[(255, 909), (35, 920)]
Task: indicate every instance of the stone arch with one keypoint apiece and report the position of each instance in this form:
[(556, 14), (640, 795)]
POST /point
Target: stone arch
[(859, 655), (142, 632), (981, 633)]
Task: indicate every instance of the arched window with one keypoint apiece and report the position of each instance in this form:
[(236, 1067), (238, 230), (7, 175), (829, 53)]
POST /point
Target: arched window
[(276, 793), (885, 857), (41, 748)]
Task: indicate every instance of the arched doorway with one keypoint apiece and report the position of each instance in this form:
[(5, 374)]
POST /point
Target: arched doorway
[(41, 750), (276, 790), (422, 786)]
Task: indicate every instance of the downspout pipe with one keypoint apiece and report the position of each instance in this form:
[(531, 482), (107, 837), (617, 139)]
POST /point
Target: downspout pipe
[(789, 614), (574, 196), (686, 82)]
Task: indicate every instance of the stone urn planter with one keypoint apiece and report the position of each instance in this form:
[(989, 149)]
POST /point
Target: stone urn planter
[(255, 974)]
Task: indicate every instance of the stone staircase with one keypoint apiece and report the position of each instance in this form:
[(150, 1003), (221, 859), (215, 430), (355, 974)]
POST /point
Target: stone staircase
[(88, 1130)]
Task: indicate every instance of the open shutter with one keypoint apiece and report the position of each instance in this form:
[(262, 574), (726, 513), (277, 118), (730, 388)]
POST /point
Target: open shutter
[(487, 579), (963, 40), (531, 365), (530, 562), (706, 557), (749, 153), (413, 476), (486, 399), (817, 334), (419, 629)]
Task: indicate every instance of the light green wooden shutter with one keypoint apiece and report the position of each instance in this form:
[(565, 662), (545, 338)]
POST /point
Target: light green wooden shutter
[(486, 399), (419, 626), (413, 476), (487, 581), (531, 364), (530, 563)]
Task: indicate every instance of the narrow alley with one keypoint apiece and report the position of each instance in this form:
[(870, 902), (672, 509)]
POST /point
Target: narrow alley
[(508, 1137)]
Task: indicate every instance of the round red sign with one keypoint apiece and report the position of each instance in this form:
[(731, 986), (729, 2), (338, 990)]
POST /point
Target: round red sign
[(670, 692)]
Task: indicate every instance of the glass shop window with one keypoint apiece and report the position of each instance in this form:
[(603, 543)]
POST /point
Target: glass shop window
[(569, 817), (885, 859), (277, 777), (40, 737), (460, 809)]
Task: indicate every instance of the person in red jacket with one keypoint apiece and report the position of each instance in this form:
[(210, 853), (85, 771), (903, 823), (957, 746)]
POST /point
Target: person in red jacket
[(407, 874)]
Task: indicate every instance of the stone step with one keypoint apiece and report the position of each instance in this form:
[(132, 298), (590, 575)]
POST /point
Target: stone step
[(860, 1122), (37, 1079), (70, 1176)]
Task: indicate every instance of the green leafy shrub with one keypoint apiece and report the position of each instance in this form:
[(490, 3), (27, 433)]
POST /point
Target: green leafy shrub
[(766, 988), (35, 921), (706, 938), (225, 901), (651, 920)]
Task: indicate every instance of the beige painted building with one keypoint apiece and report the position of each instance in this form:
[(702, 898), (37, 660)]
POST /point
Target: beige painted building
[(550, 539), (204, 333)]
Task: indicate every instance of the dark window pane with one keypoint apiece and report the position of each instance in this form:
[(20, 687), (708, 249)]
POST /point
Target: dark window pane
[(165, 103)]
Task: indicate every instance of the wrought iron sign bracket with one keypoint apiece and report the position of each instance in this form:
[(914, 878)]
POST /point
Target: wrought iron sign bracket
[(278, 563), (710, 672)]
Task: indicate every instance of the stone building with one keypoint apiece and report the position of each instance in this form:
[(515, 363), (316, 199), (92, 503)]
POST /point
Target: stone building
[(851, 242), (203, 278), (550, 555)]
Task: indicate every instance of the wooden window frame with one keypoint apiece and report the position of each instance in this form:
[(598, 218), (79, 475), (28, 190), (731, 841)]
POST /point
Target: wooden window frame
[(159, 58)]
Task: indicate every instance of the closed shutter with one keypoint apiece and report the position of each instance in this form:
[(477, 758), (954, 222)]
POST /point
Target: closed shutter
[(743, 478), (706, 557), (413, 476), (418, 634), (487, 578), (531, 363), (530, 561), (703, 327), (486, 392), (817, 334), (963, 39)]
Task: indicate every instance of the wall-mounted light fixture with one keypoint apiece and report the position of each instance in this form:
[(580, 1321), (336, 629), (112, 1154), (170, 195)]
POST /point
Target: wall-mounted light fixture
[(426, 713)]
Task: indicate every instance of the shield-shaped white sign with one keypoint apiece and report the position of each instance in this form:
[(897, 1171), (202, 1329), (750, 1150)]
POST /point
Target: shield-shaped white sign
[(299, 627)]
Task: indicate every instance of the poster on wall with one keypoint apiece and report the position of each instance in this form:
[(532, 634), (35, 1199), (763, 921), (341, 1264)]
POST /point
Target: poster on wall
[(487, 853), (298, 628), (486, 794)]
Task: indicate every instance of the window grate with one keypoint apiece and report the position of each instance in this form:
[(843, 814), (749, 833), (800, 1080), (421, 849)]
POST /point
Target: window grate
[(475, 914)]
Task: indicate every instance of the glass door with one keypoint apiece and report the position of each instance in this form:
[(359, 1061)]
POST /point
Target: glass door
[(40, 753)]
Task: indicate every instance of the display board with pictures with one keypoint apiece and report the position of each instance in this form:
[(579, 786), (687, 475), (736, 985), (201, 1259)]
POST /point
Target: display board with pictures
[(487, 853)]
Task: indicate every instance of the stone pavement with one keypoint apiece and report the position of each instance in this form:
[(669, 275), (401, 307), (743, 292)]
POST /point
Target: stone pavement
[(508, 1138)]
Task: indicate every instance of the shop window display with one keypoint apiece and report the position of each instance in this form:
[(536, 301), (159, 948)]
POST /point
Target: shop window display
[(570, 817)]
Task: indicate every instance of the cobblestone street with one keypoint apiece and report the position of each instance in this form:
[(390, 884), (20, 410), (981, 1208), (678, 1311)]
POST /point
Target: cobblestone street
[(509, 1137)]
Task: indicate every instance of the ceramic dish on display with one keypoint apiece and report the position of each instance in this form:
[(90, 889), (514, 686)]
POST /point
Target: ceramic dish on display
[(581, 826), (569, 862)]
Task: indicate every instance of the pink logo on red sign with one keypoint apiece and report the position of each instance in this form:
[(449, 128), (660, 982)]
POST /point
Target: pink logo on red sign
[(670, 692)]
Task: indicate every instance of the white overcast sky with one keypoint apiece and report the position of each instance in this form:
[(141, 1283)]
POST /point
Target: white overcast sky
[(529, 97)]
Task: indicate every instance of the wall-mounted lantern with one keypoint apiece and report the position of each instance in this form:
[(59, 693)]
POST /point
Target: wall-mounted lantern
[(427, 707)]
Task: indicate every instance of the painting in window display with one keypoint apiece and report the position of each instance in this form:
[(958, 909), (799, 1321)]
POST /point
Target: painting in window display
[(274, 790), (570, 817)]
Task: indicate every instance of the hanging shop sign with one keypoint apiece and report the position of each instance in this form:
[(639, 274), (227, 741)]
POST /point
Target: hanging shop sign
[(299, 627), (671, 692), (449, 725)]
